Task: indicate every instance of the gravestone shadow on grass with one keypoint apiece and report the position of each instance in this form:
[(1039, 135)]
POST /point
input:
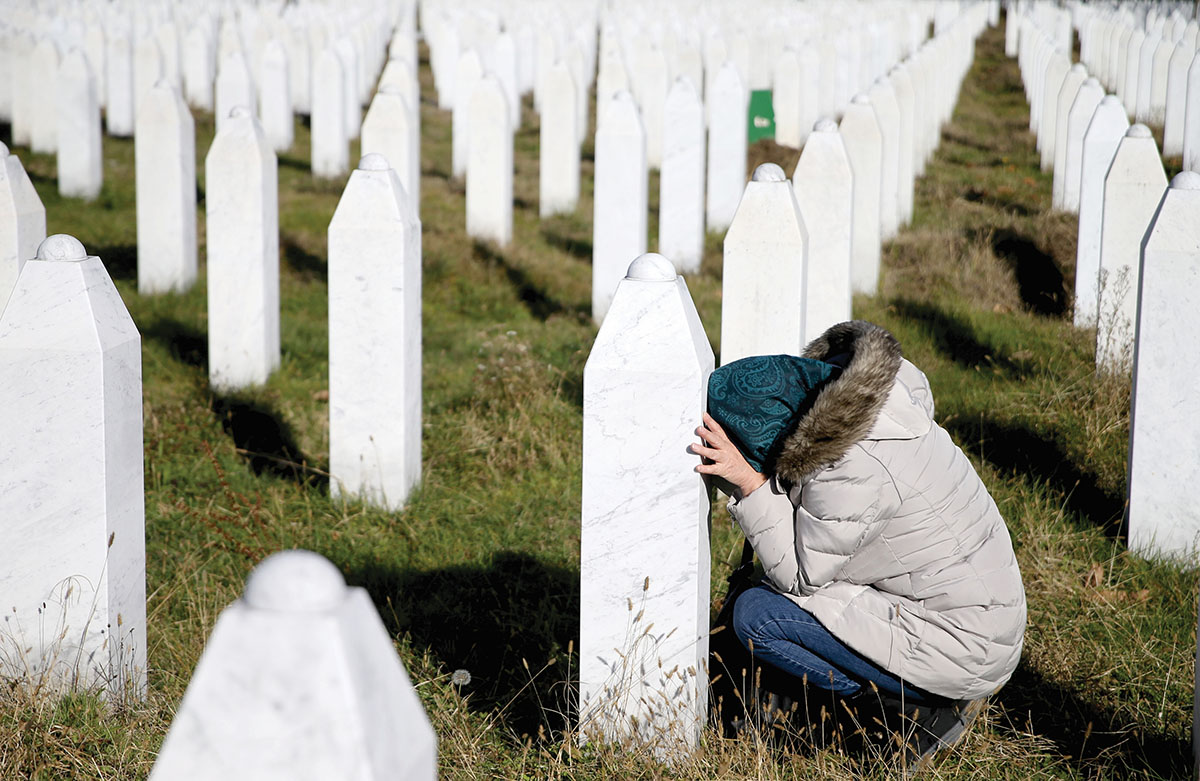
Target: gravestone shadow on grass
[(186, 344), (1016, 448), (957, 339), (539, 303), (1039, 279), (502, 621), (265, 440), (120, 260), (1089, 735), (302, 261), (581, 249)]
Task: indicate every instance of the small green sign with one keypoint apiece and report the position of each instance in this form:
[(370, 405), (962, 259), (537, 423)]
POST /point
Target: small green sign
[(761, 120)]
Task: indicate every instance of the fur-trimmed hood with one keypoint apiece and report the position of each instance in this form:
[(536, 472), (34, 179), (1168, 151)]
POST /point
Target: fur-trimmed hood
[(845, 409)]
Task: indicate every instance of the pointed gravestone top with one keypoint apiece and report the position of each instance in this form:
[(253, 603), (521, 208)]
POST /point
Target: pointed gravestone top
[(61, 247)]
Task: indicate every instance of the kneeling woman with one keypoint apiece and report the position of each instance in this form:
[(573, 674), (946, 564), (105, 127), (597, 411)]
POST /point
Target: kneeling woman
[(886, 560)]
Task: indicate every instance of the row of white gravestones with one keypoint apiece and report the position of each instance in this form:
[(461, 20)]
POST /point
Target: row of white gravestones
[(72, 570), (299, 680), (644, 589), (165, 162), (375, 338), (22, 221)]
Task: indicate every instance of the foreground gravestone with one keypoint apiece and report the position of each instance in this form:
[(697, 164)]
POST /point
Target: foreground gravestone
[(681, 182), (1069, 173), (619, 197), (330, 146), (299, 681), (1100, 143), (558, 162), (490, 164), (72, 545), (1164, 437), (389, 129), (762, 277), (165, 161), (374, 338), (644, 589), (864, 146), (726, 100), (1132, 191), (824, 187), (242, 201), (22, 221), (80, 163)]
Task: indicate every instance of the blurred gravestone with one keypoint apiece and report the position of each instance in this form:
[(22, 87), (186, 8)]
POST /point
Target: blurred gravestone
[(489, 164), (1100, 142), (681, 182), (726, 101), (620, 197), (22, 221), (165, 161), (330, 146), (558, 168), (80, 163), (864, 146)]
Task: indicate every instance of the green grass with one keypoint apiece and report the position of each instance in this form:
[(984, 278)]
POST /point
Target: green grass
[(480, 570)]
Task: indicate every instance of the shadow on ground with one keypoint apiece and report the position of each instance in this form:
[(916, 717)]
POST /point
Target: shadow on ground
[(120, 260), (1089, 735), (502, 622), (265, 441), (1039, 279), (539, 303), (186, 344), (956, 338)]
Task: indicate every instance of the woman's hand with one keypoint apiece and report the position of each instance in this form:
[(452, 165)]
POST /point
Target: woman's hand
[(721, 458)]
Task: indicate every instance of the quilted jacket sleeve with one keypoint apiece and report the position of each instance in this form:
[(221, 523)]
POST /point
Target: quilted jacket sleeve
[(804, 540)]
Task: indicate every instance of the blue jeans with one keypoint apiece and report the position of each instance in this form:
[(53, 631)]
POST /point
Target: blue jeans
[(789, 638)]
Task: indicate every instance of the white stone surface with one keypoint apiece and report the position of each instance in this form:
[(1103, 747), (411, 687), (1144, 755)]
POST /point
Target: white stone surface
[(1191, 118), (1176, 106), (1164, 436), (43, 129), (620, 197), (72, 545), (1132, 191), (504, 68), (147, 68), (22, 46), (824, 187), (681, 182), (389, 129), (198, 68), (558, 147), (330, 156), (726, 101), (786, 99), (644, 587), (1100, 143), (763, 275), (242, 198), (864, 146), (352, 112), (650, 88), (374, 338), (167, 37), (118, 112), (1067, 93), (1069, 174), (165, 162), (275, 96), (80, 162), (94, 45), (490, 164), (235, 86), (22, 221), (299, 681), (887, 115), (469, 72), (1056, 71), (906, 101), (1129, 85)]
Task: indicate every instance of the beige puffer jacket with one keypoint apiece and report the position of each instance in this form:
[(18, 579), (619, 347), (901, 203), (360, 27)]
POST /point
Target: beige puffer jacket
[(876, 523)]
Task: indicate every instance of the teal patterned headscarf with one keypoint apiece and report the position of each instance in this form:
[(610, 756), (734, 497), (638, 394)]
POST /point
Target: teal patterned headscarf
[(757, 400)]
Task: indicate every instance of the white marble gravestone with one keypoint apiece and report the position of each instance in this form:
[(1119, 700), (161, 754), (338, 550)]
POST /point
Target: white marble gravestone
[(243, 255), (558, 148), (94, 45), (763, 272), (1191, 118), (165, 162), (824, 187), (786, 100), (80, 162), (147, 68), (1164, 435), (864, 146), (299, 681), (330, 146), (726, 102), (504, 68), (275, 97), (887, 115), (1100, 142), (1071, 85), (468, 73), (1176, 104), (681, 182), (644, 548), (235, 86), (490, 164), (1056, 71), (1069, 174), (651, 85), (22, 221), (374, 338), (906, 100), (43, 129), (118, 110), (620, 197), (198, 70), (21, 115), (72, 545), (389, 129), (349, 56), (1132, 190)]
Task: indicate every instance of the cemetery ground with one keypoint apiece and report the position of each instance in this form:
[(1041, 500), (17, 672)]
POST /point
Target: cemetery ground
[(480, 571)]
